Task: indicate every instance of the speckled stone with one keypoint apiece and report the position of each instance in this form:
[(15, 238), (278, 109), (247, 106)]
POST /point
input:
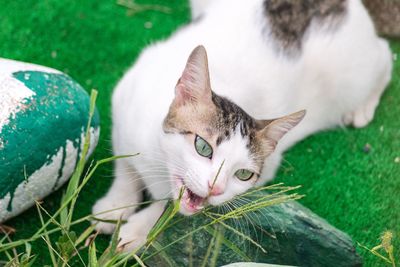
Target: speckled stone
[(43, 116)]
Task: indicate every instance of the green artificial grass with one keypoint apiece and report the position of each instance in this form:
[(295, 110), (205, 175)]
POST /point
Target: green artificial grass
[(96, 41)]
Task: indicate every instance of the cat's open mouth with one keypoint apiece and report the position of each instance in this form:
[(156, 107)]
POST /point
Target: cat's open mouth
[(190, 202)]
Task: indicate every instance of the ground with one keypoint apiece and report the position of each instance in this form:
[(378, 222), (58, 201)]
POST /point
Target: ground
[(354, 188)]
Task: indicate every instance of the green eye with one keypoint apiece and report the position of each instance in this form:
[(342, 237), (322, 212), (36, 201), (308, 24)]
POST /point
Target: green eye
[(244, 174), (202, 147)]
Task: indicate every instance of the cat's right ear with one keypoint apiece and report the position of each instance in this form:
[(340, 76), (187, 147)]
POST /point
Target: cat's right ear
[(274, 130), (194, 84)]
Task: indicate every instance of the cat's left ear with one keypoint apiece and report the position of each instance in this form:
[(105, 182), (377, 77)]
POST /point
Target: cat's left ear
[(194, 84), (274, 130)]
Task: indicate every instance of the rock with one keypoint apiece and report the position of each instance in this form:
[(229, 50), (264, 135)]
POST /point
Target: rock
[(43, 116), (253, 264), (290, 234)]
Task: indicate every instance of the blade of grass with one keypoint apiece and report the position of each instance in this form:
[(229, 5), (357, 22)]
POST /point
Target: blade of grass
[(108, 255), (375, 253), (164, 255), (190, 241), (47, 238), (85, 234), (230, 245), (8, 255), (139, 260), (74, 181), (64, 212), (208, 251), (114, 238), (58, 254), (248, 238), (165, 218), (161, 224), (92, 255), (135, 8), (217, 247), (216, 176), (66, 232)]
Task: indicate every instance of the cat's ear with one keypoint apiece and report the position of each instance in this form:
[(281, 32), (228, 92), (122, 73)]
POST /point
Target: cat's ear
[(274, 130), (194, 84)]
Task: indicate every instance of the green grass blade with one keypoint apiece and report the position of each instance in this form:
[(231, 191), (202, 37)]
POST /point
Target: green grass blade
[(226, 242), (114, 239), (92, 256), (108, 256), (85, 234), (46, 236), (139, 261), (246, 237), (167, 259), (64, 212), (74, 181), (208, 252), (66, 233), (217, 247), (165, 218)]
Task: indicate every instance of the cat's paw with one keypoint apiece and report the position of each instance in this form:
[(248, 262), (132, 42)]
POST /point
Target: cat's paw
[(109, 208), (132, 236), (362, 116)]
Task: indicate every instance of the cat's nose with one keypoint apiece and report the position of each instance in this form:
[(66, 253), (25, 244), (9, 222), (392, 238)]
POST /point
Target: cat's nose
[(215, 190)]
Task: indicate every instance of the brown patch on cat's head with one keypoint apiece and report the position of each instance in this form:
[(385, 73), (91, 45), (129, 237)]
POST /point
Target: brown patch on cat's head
[(197, 110)]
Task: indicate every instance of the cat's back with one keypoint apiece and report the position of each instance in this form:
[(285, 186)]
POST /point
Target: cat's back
[(262, 53)]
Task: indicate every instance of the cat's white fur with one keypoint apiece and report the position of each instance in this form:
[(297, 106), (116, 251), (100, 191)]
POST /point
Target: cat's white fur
[(338, 78)]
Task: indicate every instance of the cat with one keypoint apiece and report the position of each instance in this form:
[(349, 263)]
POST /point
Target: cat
[(386, 15), (229, 93)]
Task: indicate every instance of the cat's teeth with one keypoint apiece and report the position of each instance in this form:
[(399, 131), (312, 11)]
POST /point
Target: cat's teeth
[(188, 200)]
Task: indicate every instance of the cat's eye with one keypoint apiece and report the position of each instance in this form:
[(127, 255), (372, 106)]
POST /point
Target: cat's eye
[(202, 147), (244, 174)]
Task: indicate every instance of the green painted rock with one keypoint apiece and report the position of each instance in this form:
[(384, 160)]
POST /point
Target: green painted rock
[(43, 116), (289, 233), (252, 264)]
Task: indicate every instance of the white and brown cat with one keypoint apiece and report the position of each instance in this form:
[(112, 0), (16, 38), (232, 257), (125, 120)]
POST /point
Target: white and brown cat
[(267, 62)]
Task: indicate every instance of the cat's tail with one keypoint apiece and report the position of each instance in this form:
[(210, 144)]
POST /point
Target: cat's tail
[(386, 16)]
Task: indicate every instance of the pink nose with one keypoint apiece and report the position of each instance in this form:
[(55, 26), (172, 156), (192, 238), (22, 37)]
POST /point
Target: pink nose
[(215, 190)]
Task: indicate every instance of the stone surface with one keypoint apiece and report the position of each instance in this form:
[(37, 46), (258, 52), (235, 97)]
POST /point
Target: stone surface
[(290, 234), (43, 116), (252, 264)]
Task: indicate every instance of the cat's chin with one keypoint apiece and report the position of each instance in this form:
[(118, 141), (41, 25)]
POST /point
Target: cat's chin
[(190, 202)]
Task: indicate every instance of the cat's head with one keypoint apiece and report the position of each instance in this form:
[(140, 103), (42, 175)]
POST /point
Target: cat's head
[(217, 150)]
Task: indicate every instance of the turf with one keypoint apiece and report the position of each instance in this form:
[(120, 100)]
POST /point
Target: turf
[(96, 41)]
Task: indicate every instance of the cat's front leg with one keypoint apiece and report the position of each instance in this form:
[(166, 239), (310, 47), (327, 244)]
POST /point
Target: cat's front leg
[(121, 200), (134, 233)]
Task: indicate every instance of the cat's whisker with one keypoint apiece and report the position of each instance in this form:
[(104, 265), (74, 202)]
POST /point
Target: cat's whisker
[(229, 208), (239, 221), (170, 155), (258, 213), (245, 221), (195, 178), (161, 159), (142, 174), (168, 195), (163, 178), (248, 219)]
